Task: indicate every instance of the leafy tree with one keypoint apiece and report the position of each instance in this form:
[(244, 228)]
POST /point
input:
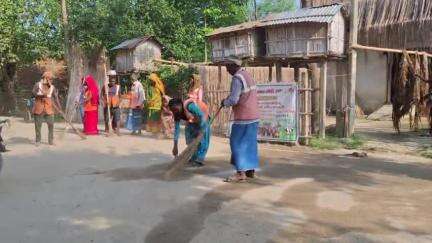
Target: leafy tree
[(31, 29), (264, 7), (181, 25), (28, 32)]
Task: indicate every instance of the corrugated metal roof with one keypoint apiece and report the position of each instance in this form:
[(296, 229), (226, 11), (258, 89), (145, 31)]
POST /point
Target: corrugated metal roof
[(323, 14), (132, 43), (233, 28)]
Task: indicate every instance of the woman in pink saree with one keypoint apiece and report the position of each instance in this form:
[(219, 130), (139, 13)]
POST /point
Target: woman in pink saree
[(91, 105)]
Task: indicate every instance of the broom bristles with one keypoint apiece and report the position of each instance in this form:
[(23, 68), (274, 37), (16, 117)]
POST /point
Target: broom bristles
[(179, 161), (189, 151)]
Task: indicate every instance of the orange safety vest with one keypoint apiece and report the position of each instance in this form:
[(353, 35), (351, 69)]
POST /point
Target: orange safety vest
[(43, 105), (203, 107), (114, 100), (88, 106)]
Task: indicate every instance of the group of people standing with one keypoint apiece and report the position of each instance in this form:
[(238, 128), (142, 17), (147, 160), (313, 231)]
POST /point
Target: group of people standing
[(166, 113), (109, 96)]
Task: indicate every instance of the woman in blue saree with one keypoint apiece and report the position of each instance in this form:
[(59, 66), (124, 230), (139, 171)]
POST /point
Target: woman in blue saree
[(195, 114)]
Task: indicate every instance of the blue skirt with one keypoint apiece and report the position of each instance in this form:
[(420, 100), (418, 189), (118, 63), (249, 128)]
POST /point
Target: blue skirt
[(134, 120), (244, 146), (191, 132)]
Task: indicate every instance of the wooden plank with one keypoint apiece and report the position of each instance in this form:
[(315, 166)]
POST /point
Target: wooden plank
[(323, 103)]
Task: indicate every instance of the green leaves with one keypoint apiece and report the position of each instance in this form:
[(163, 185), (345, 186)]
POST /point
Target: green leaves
[(276, 6), (179, 24), (31, 29)]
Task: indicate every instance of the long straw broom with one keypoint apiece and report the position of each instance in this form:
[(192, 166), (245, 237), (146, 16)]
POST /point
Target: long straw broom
[(180, 161), (59, 110)]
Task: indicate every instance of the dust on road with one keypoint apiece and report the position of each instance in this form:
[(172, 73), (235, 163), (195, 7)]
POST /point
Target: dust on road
[(112, 190)]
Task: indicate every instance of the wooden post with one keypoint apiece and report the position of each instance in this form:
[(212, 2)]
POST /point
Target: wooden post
[(308, 107), (301, 104), (341, 98), (270, 75), (323, 97), (296, 74), (351, 108), (315, 99), (304, 109), (278, 72), (218, 98)]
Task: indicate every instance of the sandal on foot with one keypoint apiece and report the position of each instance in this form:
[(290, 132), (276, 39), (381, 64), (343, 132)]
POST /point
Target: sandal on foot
[(234, 179)]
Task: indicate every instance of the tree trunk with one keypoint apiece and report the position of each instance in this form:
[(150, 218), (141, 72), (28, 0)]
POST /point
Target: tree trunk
[(9, 77)]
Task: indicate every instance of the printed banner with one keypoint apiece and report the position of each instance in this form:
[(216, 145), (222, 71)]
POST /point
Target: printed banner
[(278, 112)]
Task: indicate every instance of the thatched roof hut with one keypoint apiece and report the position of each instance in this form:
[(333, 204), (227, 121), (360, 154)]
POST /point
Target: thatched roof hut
[(401, 24)]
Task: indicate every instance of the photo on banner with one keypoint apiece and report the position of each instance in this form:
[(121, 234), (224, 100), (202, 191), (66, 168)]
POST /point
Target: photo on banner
[(278, 107)]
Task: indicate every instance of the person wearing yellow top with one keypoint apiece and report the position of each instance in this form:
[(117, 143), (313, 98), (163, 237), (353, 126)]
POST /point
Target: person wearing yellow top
[(157, 91)]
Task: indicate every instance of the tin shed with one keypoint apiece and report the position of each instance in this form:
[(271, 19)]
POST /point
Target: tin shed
[(137, 54), (307, 32)]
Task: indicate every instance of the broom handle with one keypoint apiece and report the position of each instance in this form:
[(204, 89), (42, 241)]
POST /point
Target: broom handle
[(216, 115), (64, 117)]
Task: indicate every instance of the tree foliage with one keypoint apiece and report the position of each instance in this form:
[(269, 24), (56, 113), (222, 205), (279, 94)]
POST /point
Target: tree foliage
[(179, 25), (32, 29), (29, 30), (264, 7)]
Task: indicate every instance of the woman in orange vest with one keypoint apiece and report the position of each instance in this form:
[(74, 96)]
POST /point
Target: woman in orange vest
[(91, 104)]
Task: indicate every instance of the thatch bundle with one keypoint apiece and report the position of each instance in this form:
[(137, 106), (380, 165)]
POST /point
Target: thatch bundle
[(407, 89), (401, 24)]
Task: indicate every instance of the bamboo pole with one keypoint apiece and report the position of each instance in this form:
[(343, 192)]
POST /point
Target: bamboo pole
[(173, 62), (380, 49), (108, 105)]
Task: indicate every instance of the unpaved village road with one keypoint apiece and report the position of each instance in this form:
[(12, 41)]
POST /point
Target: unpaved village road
[(111, 190)]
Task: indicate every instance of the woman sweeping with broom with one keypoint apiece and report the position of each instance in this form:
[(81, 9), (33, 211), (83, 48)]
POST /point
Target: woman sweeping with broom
[(196, 115)]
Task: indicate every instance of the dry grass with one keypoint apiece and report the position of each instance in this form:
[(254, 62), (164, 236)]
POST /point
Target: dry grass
[(396, 23)]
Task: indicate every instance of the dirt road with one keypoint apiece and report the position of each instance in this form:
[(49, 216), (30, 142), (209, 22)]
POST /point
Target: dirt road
[(111, 190)]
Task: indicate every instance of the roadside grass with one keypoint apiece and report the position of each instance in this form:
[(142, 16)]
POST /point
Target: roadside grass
[(426, 152), (332, 142)]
